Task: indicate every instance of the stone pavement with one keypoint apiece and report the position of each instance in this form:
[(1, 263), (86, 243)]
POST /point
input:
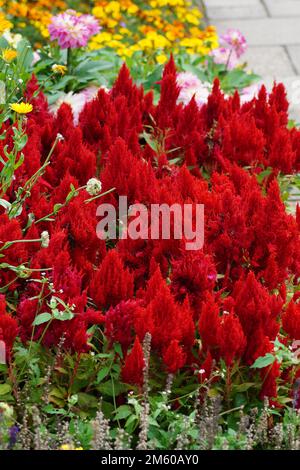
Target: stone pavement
[(272, 29)]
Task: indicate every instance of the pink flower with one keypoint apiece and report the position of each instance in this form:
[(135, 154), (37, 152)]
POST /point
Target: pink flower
[(72, 30), (191, 86), (250, 92), (225, 56), (234, 39), (188, 80), (77, 101), (91, 23), (36, 58)]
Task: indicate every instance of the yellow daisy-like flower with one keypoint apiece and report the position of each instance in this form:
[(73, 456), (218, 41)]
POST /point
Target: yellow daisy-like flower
[(4, 25), (161, 58), (60, 69), (9, 55), (66, 447), (69, 447), (21, 108), (190, 18)]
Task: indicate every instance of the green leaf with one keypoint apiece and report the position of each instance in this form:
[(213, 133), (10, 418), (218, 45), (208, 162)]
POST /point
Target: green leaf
[(264, 361), (62, 316), (263, 174), (87, 401), (20, 142), (176, 160), (5, 204), (54, 411), (57, 207), (107, 388), (131, 423), (102, 374), (42, 318), (5, 389), (243, 387), (150, 141), (122, 412), (118, 349), (57, 392)]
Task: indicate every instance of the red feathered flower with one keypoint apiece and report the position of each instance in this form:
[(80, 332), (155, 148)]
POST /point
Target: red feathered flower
[(163, 317), (112, 282), (132, 371), (8, 327), (291, 320), (193, 274), (119, 321), (174, 357), (210, 324), (232, 338)]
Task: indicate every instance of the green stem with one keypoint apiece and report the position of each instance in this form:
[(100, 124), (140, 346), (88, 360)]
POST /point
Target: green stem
[(8, 244), (45, 331), (99, 195)]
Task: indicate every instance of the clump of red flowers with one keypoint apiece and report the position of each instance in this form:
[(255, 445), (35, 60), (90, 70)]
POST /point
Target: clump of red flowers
[(228, 298)]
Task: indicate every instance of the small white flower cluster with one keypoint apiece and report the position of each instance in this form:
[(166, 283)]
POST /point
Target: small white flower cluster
[(59, 137), (45, 239), (93, 187)]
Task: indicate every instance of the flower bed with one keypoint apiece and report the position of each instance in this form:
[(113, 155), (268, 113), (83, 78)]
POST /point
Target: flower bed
[(154, 28), (134, 339), (225, 315)]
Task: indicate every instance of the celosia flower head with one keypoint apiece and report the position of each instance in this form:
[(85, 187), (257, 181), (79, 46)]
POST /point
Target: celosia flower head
[(72, 30)]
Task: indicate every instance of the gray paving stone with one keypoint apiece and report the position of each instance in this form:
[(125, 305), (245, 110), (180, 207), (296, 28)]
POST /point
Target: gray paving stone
[(283, 8), (294, 53), (265, 31), (242, 11), (269, 61), (228, 3)]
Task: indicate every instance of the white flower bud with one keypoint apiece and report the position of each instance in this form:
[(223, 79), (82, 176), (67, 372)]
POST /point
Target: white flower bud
[(45, 239), (93, 186)]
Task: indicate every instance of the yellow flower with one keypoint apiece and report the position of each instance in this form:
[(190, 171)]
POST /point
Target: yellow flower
[(125, 31), (190, 18), (69, 447), (112, 7), (21, 108), (161, 58), (8, 55), (60, 69), (4, 24), (17, 10), (132, 9), (66, 447), (98, 12)]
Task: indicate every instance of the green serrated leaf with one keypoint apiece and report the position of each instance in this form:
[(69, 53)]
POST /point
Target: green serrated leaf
[(122, 412), (102, 374), (42, 318), (264, 361)]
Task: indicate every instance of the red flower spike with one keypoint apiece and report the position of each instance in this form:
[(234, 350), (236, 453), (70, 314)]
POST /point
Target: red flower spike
[(132, 371), (174, 357)]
